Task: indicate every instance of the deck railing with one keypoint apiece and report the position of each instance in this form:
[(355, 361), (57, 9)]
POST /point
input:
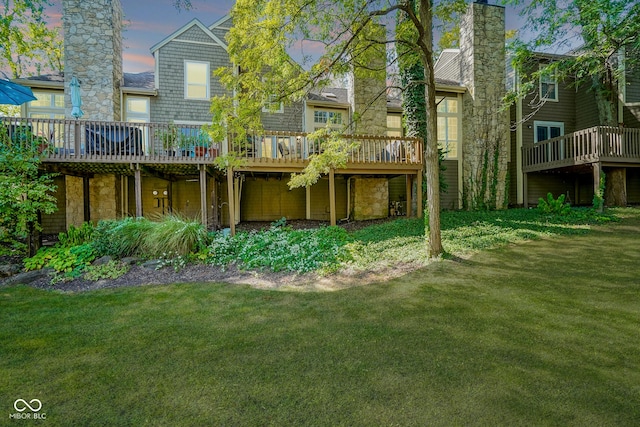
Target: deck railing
[(124, 142), (597, 144)]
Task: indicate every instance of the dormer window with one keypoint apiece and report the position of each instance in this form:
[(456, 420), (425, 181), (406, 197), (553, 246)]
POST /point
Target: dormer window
[(548, 86)]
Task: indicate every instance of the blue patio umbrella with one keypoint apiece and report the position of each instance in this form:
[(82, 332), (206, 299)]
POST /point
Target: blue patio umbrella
[(14, 94), (76, 101)]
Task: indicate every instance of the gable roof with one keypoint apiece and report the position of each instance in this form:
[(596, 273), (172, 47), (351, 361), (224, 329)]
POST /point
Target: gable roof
[(193, 23), (448, 67)]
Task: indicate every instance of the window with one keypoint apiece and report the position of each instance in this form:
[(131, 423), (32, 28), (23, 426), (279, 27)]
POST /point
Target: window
[(273, 105), (394, 125), (137, 109), (196, 80), (548, 86), (448, 120), (49, 105), (547, 130), (331, 117)]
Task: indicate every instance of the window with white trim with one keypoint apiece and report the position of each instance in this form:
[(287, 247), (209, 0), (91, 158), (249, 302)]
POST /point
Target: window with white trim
[(548, 86), (448, 121), (137, 109), (273, 105), (330, 117), (547, 130), (394, 125), (196, 80)]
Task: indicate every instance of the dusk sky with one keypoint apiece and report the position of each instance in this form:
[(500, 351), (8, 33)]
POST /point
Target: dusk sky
[(148, 22)]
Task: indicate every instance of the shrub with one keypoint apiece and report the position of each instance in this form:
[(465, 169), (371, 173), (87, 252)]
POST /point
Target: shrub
[(280, 248), (76, 235), (174, 235), (121, 238), (111, 270), (554, 206)]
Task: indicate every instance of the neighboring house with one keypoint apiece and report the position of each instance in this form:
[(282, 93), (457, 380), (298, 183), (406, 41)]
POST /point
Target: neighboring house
[(559, 145)]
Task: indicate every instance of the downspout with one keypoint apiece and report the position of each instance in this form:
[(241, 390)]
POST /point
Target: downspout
[(348, 200)]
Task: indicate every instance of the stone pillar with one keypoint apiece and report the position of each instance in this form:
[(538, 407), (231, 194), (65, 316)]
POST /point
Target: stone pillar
[(104, 197), (368, 96), (485, 127), (74, 197), (370, 198), (93, 54)]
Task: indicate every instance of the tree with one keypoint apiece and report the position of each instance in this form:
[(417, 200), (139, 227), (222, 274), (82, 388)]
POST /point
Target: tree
[(606, 31), (27, 43), (24, 193), (264, 31)]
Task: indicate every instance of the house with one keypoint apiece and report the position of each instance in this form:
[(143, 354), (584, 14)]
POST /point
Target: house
[(136, 150), (561, 146)]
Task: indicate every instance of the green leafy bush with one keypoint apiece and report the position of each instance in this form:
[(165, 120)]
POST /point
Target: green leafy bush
[(76, 235), (281, 249), (111, 270), (554, 206), (121, 238), (70, 261)]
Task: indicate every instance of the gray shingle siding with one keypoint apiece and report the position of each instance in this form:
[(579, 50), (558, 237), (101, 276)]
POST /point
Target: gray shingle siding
[(221, 30), (170, 104)]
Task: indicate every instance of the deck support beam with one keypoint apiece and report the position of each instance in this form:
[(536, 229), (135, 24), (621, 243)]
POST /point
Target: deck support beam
[(597, 172), (138, 190), (409, 199), (332, 197), (203, 196), (86, 196), (231, 196), (525, 190), (419, 202)]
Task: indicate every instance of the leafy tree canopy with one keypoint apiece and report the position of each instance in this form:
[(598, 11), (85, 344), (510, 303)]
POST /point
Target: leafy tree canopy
[(596, 31), (28, 45)]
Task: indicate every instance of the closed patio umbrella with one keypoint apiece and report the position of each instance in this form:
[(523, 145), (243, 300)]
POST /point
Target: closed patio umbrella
[(76, 101), (14, 94)]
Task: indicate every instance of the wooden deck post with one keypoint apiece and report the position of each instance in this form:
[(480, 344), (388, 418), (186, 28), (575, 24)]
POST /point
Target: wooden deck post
[(597, 170), (203, 196), (332, 197), (232, 208), (525, 190), (86, 198), (138, 190), (419, 202), (409, 183)]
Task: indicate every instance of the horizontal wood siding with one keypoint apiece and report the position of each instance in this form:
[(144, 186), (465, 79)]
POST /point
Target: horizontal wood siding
[(562, 111), (57, 222), (633, 186), (586, 110), (269, 199), (450, 198), (320, 199), (541, 184)]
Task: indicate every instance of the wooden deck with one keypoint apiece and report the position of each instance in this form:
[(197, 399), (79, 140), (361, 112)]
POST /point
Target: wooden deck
[(114, 147), (602, 145)]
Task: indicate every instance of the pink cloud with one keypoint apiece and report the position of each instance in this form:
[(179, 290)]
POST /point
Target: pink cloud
[(134, 63)]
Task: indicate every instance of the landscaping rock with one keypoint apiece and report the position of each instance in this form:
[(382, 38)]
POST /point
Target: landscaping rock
[(153, 264), (7, 270), (102, 260), (28, 277), (130, 260)]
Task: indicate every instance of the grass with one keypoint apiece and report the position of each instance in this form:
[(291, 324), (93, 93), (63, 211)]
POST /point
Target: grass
[(540, 333)]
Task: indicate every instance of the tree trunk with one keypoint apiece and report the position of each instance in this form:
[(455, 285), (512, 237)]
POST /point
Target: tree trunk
[(615, 192), (431, 144)]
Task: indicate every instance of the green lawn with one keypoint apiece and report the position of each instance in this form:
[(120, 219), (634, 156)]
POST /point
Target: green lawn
[(545, 332)]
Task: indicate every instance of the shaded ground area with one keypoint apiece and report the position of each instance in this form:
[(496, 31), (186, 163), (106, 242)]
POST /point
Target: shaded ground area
[(264, 279)]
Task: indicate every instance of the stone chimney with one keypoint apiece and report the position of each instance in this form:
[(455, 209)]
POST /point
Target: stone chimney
[(367, 96), (93, 54), (485, 127)]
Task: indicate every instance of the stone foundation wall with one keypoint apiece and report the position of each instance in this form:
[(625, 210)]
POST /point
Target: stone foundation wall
[(74, 201), (104, 197), (370, 198)]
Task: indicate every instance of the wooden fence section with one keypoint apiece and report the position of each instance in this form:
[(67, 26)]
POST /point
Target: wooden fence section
[(125, 142), (597, 144)]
